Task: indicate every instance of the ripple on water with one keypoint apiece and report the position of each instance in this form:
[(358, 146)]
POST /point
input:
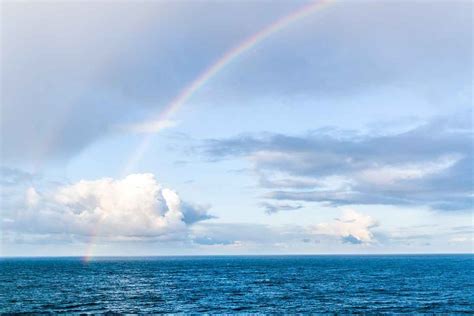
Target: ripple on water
[(294, 284)]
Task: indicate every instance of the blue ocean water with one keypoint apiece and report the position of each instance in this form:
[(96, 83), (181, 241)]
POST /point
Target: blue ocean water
[(243, 284)]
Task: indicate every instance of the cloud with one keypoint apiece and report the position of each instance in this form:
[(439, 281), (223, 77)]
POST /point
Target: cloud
[(352, 227), (14, 176), (32, 197), (136, 207), (351, 240), (355, 47), (90, 68), (271, 208), (427, 165), (54, 97), (236, 233), (154, 126), (71, 73), (464, 239)]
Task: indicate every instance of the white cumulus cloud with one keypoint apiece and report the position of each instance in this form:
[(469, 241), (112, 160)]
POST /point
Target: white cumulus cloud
[(352, 227), (136, 206)]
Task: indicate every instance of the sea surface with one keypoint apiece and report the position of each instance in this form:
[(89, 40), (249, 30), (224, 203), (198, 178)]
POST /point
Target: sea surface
[(240, 284)]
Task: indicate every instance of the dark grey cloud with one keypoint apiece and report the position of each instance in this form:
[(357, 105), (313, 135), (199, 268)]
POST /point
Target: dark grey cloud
[(431, 164), (74, 73), (193, 213), (271, 208), (351, 240)]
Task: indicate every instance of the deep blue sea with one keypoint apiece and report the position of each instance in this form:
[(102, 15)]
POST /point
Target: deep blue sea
[(240, 284)]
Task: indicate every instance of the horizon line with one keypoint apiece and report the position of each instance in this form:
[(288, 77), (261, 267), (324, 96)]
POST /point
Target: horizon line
[(248, 255)]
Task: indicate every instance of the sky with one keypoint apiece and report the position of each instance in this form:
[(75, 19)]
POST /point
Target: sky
[(344, 127)]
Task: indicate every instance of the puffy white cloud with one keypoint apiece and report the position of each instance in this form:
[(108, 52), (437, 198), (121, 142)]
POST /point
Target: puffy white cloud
[(136, 206), (352, 227)]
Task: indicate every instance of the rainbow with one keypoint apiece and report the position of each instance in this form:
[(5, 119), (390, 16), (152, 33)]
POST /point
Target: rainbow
[(188, 91), (185, 94)]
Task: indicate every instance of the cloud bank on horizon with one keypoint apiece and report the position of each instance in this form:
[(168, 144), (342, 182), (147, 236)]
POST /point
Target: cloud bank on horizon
[(350, 130), (138, 209)]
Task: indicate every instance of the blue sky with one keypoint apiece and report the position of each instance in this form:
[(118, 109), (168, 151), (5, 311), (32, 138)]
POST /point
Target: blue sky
[(348, 131)]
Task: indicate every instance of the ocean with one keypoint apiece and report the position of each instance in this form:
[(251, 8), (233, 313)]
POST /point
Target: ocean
[(240, 284)]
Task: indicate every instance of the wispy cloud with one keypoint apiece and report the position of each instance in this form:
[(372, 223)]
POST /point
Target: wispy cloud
[(428, 165), (271, 208), (153, 126)]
